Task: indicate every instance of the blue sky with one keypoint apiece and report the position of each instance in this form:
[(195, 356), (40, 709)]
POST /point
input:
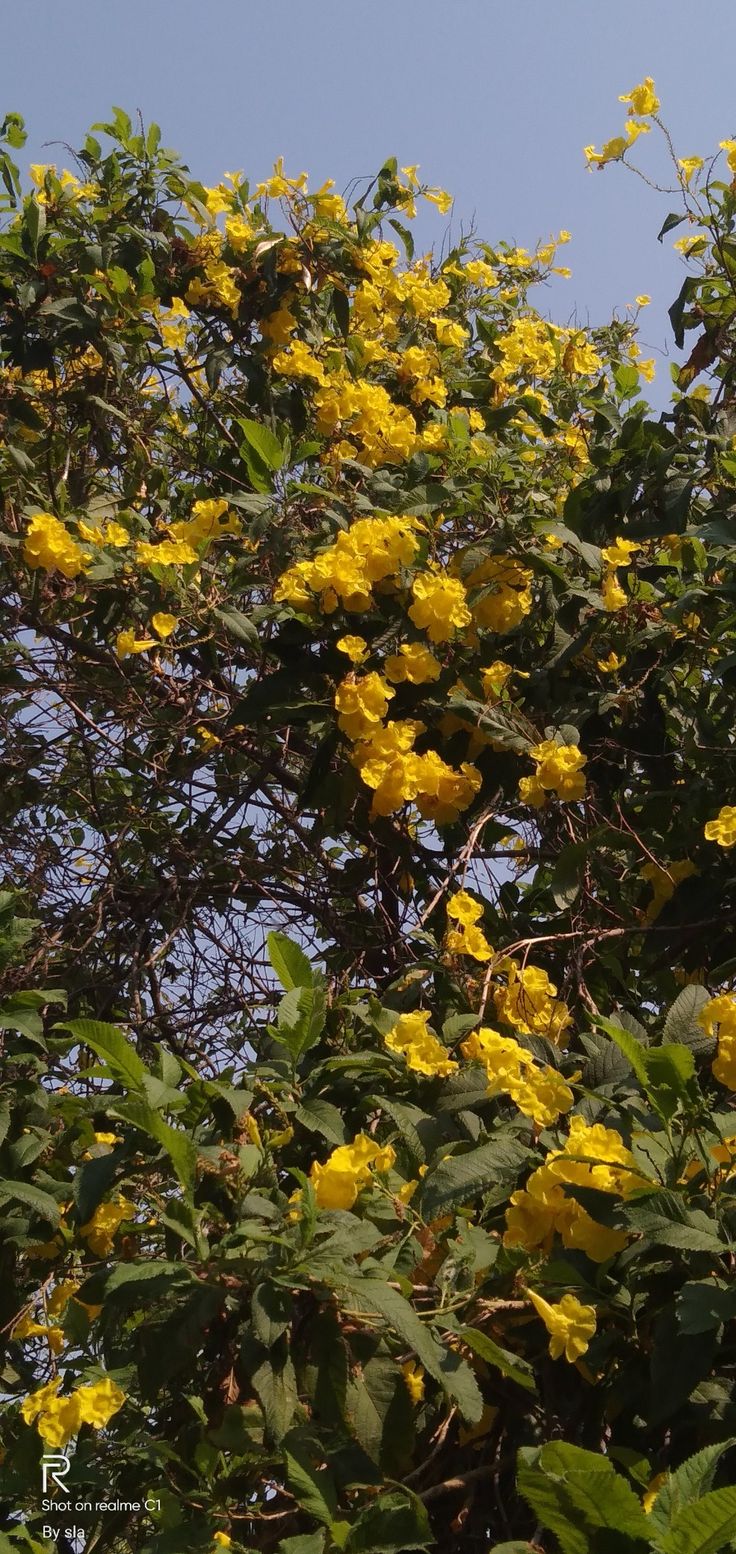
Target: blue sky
[(493, 98)]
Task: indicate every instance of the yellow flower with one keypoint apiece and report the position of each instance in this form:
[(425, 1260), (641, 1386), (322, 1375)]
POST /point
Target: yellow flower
[(126, 644), (423, 1052), (652, 1490), (569, 1324), (49, 545), (414, 1377), (721, 1012), (729, 146), (57, 1419), (614, 596), (164, 624), (100, 1230), (98, 1402), (223, 1539), (536, 1088), (168, 553), (495, 678), (362, 704), (440, 198), (355, 648), (723, 829), (206, 737), (643, 98), (529, 1004), (28, 1327), (611, 664), (620, 552), (348, 1169), (440, 606), (643, 300), (689, 165), (463, 908), (559, 770), (414, 663)]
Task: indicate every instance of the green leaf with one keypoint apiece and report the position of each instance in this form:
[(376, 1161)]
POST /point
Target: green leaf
[(108, 1043), (663, 1219), (128, 1275), (577, 1494), (704, 1526), (313, 1487), (237, 624), (33, 1198), (449, 1369), (703, 1306), (687, 1484), (271, 1307), (289, 962), (92, 1182), (394, 1522), (462, 1177), (301, 1019), (322, 1117), (262, 440), (510, 1365), (682, 1022), (274, 1381), (178, 1145), (303, 1543), (674, 219)]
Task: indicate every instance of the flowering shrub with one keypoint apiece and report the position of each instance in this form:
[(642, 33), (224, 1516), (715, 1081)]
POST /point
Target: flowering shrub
[(366, 836)]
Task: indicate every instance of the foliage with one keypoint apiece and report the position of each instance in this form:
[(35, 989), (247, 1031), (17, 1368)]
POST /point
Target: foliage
[(368, 651)]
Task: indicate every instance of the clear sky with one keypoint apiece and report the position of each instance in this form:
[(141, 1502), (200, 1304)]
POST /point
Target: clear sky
[(493, 98)]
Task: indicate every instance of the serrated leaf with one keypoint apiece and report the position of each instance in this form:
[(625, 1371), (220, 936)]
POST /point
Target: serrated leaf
[(462, 1177), (238, 624), (109, 1044), (127, 1275), (92, 1182), (508, 1364), (289, 962), (688, 1483), (312, 1487), (394, 1522), (262, 440), (271, 1307), (664, 1220), (703, 1527), (33, 1198), (322, 1117), (682, 1021), (449, 1369)]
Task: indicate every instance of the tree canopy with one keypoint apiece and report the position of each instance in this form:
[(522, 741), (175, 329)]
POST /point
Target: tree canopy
[(368, 651)]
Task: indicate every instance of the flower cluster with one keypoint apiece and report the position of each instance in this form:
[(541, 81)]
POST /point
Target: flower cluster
[(398, 774), (529, 1003), (370, 551), (49, 544), (349, 1168), (538, 1090), (57, 1419), (642, 103), (414, 1041), (592, 1156), (558, 770), (468, 939), (723, 829), (504, 593)]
